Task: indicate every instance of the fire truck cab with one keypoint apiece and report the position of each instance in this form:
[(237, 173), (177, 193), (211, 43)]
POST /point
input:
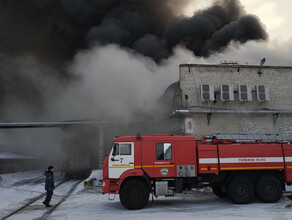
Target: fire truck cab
[(167, 164)]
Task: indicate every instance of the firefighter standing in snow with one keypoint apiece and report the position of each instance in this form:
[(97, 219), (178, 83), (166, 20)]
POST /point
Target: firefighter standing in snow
[(49, 186)]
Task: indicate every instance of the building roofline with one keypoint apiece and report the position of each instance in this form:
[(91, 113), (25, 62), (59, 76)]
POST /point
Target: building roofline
[(234, 66)]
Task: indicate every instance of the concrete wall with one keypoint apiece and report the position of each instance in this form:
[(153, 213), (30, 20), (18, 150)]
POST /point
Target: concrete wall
[(279, 80)]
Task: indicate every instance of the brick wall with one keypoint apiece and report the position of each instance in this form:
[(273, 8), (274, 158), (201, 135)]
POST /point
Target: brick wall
[(279, 80)]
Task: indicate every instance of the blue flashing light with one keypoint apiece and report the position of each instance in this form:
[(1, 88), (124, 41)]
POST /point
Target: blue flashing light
[(138, 135)]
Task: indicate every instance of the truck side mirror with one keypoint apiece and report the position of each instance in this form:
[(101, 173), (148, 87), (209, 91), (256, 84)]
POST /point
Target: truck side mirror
[(116, 149)]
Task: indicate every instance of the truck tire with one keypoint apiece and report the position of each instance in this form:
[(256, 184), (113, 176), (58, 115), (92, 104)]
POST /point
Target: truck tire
[(240, 190), (134, 194), (217, 190), (269, 189)]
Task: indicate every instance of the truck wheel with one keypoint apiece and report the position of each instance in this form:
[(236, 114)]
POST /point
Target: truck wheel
[(269, 189), (240, 190), (217, 190), (134, 194)]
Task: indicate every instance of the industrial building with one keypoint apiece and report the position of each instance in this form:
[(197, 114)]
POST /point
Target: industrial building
[(233, 98), (14, 160)]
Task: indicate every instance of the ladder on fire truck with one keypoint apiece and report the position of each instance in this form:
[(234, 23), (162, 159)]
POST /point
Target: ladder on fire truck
[(265, 138)]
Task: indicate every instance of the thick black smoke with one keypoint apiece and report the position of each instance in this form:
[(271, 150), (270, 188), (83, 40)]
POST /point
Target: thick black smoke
[(40, 38), (55, 29), (212, 29)]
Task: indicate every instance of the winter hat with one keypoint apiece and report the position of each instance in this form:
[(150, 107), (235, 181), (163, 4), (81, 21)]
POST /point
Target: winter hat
[(50, 167)]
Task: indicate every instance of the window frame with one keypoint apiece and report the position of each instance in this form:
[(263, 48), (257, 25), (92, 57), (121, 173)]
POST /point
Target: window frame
[(130, 145), (119, 144), (156, 156)]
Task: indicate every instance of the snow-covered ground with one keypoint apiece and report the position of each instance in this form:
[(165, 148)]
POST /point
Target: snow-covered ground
[(89, 203)]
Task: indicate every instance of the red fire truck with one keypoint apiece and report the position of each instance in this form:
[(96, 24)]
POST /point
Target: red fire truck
[(239, 167)]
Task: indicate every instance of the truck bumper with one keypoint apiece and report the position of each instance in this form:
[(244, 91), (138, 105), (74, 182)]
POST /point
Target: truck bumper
[(110, 186)]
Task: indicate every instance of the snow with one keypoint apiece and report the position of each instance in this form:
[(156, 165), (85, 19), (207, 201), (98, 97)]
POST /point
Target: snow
[(90, 203), (95, 177), (9, 179), (186, 206), (17, 188), (95, 174)]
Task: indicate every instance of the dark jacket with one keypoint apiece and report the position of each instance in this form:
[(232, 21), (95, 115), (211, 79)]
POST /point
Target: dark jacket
[(50, 185)]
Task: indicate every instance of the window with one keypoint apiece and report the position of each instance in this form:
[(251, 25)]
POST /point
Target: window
[(125, 149), (163, 151), (122, 149)]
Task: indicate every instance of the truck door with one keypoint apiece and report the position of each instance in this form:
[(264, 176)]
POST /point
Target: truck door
[(121, 159), (164, 159)]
